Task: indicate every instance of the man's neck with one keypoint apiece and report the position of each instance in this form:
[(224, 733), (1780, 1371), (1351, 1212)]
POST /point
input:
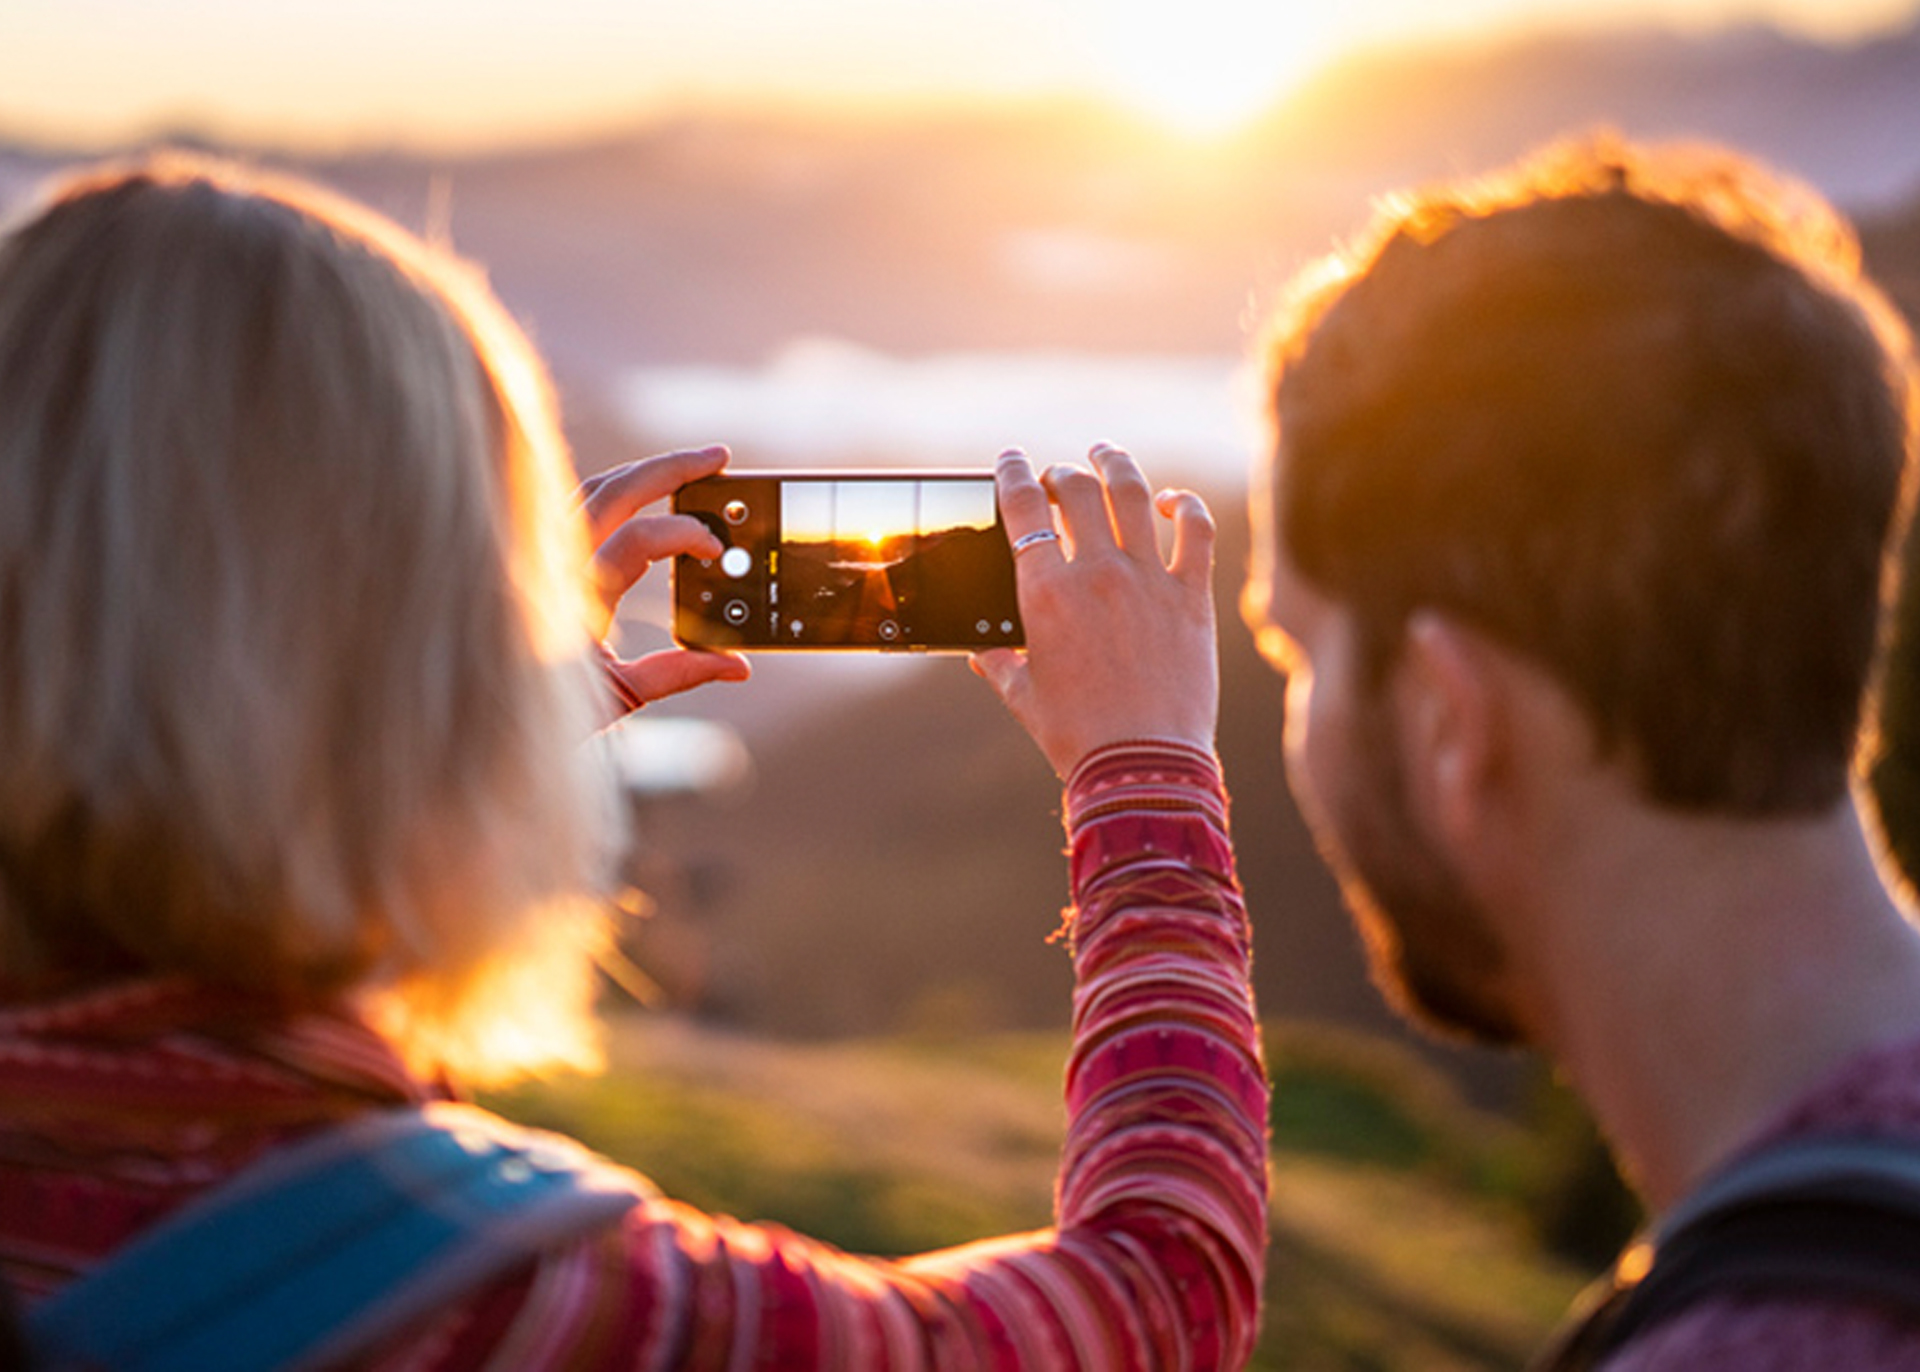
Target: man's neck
[(1702, 975)]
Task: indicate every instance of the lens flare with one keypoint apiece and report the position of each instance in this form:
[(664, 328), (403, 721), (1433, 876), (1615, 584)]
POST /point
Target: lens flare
[(1207, 67)]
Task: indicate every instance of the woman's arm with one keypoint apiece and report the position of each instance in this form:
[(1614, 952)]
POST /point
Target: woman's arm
[(1159, 1252), (1157, 1256)]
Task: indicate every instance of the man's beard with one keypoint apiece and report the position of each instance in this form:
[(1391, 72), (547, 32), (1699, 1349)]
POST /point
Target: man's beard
[(1430, 948)]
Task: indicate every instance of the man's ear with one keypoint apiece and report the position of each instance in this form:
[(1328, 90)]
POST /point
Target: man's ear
[(1454, 729)]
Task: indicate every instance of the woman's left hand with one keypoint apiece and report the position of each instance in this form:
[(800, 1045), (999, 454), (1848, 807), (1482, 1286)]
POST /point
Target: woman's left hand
[(1120, 640), (627, 543)]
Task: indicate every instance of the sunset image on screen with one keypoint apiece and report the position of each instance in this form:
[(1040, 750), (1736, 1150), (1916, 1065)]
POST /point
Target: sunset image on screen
[(892, 561)]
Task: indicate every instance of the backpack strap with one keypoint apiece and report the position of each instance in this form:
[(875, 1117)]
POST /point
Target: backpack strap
[(1823, 1217), (322, 1248)]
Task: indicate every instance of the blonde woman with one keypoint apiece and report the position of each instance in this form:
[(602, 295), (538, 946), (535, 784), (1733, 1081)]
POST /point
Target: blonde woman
[(296, 662)]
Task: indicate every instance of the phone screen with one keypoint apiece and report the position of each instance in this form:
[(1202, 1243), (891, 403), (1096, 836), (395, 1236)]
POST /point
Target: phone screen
[(882, 561)]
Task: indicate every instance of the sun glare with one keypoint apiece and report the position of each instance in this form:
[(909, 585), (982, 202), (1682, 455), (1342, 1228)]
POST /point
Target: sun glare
[(1206, 67)]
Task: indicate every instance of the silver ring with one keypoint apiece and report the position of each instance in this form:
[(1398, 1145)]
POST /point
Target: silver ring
[(1026, 541)]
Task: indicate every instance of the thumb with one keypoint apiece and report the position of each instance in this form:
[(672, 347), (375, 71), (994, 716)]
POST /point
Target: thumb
[(673, 670), (1010, 675), (1000, 668)]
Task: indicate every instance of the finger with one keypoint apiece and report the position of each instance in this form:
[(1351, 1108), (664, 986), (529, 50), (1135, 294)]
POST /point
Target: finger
[(1193, 536), (616, 495), (634, 547), (673, 670), (1083, 507), (652, 478), (642, 541), (1129, 499), (1025, 508)]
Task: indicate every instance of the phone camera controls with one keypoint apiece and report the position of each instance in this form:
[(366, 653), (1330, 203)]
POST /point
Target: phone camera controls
[(736, 562), (737, 612), (734, 512)]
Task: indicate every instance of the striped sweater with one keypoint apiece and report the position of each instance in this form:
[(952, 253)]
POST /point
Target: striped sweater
[(118, 1105)]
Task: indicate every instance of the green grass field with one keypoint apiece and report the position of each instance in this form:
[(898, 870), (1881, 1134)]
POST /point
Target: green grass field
[(1399, 1234)]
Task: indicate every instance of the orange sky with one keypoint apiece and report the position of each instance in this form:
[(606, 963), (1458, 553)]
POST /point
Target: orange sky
[(467, 72)]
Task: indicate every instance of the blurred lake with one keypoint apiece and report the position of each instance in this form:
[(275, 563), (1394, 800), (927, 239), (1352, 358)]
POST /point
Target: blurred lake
[(828, 401)]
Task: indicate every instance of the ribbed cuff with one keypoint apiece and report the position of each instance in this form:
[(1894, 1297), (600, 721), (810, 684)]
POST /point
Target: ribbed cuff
[(1138, 800), (628, 700)]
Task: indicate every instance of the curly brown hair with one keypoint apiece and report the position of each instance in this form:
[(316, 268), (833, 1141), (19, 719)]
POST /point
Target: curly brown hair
[(1636, 415)]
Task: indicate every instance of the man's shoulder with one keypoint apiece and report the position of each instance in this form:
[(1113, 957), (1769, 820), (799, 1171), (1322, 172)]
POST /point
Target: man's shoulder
[(1873, 1095), (1776, 1334)]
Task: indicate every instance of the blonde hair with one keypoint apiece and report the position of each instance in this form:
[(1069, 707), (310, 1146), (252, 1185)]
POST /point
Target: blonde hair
[(293, 692)]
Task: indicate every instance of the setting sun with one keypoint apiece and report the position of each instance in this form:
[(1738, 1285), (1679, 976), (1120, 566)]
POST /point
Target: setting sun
[(1213, 64), (480, 73)]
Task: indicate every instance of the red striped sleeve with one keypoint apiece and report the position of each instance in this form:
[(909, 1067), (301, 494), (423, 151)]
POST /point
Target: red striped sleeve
[(1158, 1255)]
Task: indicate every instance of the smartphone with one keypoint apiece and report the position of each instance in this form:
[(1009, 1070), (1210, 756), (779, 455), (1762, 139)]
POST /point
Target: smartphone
[(877, 561)]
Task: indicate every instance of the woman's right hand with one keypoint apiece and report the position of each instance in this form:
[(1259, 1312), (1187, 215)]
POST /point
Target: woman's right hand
[(1120, 643), (628, 542)]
